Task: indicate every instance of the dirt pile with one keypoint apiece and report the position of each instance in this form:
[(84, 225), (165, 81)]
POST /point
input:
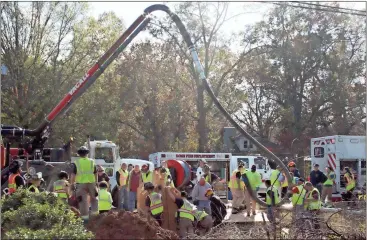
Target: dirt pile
[(127, 225)]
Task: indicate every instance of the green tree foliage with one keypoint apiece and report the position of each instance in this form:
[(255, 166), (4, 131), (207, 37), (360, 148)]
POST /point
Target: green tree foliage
[(28, 215)]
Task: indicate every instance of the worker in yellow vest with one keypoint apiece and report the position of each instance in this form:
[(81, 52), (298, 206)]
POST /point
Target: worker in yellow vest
[(184, 215), (204, 222), (15, 179), (167, 177), (313, 201), (241, 168), (84, 180), (153, 203), (298, 196), (276, 178), (254, 179), (210, 177), (327, 188), (61, 186), (146, 175), (271, 198), (104, 198), (237, 187), (35, 182), (350, 184), (121, 178)]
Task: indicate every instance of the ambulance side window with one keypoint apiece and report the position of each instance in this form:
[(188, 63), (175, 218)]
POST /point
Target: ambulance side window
[(318, 152)]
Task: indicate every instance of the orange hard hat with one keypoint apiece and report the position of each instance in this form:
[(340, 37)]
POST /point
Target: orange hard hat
[(291, 164)]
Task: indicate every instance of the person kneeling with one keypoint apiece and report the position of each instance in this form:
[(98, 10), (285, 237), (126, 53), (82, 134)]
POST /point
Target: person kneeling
[(153, 203), (105, 198), (204, 222)]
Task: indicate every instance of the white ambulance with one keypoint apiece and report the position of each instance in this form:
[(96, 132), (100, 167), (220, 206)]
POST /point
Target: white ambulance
[(338, 152)]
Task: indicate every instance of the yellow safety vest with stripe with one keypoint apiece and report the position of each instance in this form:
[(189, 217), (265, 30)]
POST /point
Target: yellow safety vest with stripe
[(59, 188), (156, 205), (11, 182), (254, 179), (313, 205), (123, 177), (200, 215), (298, 198), (85, 171), (351, 183), (168, 173), (186, 211), (276, 196), (330, 178), (274, 179), (147, 177), (104, 200), (33, 187), (208, 178), (236, 184)]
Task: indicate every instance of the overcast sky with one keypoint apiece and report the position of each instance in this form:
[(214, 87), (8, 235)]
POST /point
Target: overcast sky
[(129, 11)]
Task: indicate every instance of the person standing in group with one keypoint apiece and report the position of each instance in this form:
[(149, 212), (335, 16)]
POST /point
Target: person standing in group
[(327, 188), (292, 168), (153, 203), (61, 186), (102, 175), (238, 192), (298, 196), (210, 177), (198, 195), (122, 176), (271, 199), (130, 167), (313, 202), (276, 178), (84, 180), (105, 198), (184, 215), (219, 209), (146, 174), (133, 184), (35, 182), (254, 179), (200, 170), (317, 177), (15, 180), (350, 184)]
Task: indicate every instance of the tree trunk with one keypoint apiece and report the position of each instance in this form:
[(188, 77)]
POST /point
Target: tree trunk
[(201, 126)]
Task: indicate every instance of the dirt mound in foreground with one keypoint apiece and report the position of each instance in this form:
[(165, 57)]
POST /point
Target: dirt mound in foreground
[(127, 225)]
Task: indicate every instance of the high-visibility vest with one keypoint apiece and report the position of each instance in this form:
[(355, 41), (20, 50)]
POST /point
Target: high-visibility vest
[(104, 200), (156, 205), (85, 171), (274, 179), (276, 196), (330, 179), (313, 205), (59, 188), (297, 198), (351, 183), (186, 211), (168, 173), (254, 179), (236, 184), (200, 215), (285, 183), (147, 177), (12, 186), (123, 177), (33, 187), (208, 178)]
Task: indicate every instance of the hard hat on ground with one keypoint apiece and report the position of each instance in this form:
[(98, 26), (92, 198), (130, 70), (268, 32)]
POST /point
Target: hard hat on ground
[(148, 186), (83, 150)]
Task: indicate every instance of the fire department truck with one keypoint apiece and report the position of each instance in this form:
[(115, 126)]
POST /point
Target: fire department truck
[(338, 152)]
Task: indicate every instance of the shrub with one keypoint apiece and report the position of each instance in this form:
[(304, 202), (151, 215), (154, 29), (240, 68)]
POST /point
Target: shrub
[(28, 215)]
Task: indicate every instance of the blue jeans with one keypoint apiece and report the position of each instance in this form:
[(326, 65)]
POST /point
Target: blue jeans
[(204, 205), (270, 214), (123, 198), (132, 200)]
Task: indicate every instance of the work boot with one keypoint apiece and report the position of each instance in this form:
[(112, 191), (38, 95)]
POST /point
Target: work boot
[(248, 214), (253, 212)]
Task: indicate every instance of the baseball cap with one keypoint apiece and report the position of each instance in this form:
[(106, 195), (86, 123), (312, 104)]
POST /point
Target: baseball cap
[(253, 167), (316, 165)]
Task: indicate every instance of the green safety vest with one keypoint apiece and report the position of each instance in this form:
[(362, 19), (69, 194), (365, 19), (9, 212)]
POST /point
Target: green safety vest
[(276, 197), (186, 211), (314, 205), (254, 179), (274, 178), (147, 177), (85, 171), (156, 205), (297, 198), (351, 182), (208, 178), (59, 188), (168, 173), (200, 215), (330, 180), (104, 200), (34, 187), (236, 183)]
